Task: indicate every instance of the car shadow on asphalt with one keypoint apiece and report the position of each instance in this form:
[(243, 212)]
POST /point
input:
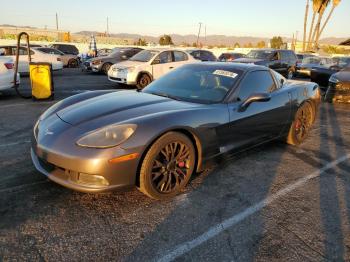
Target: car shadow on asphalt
[(334, 189)]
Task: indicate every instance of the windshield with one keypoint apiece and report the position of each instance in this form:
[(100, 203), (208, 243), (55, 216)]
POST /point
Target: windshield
[(261, 54), (144, 56), (196, 83), (311, 60), (342, 61), (117, 52), (51, 51)]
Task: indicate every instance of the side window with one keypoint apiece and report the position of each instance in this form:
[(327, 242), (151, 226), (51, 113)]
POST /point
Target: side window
[(275, 56), (292, 56), (207, 56), (256, 82), (279, 78), (2, 51), (196, 55), (22, 51), (165, 57), (284, 55), (180, 56)]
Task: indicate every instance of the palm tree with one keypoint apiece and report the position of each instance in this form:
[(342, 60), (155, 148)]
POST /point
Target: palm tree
[(305, 23), (335, 3), (315, 34), (316, 5)]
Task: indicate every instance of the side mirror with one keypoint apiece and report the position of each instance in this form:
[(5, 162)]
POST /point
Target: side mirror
[(282, 81), (257, 97), (156, 61)]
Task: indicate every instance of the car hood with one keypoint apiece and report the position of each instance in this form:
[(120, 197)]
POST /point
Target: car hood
[(343, 76), (248, 60), (126, 64), (119, 107)]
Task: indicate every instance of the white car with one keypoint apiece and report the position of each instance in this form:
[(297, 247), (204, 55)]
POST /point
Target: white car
[(148, 65), (6, 73), (36, 56)]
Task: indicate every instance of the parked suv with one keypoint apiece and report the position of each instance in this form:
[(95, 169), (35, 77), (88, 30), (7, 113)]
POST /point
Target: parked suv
[(148, 65), (103, 63), (282, 61), (66, 48)]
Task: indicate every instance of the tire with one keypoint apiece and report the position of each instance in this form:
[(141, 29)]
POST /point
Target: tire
[(105, 68), (167, 166), (290, 73), (73, 63), (300, 128), (143, 81)]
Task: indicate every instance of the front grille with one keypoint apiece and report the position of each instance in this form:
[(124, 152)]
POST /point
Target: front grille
[(46, 165), (116, 78)]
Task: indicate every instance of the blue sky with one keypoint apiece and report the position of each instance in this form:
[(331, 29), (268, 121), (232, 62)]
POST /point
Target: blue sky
[(156, 17)]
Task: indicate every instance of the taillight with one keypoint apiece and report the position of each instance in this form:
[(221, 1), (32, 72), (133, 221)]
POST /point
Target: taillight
[(9, 65)]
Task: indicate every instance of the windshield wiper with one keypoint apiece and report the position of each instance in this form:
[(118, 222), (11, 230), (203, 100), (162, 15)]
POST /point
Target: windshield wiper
[(165, 95)]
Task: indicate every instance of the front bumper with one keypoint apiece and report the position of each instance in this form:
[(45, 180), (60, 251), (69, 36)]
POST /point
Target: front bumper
[(122, 77), (85, 170), (304, 72)]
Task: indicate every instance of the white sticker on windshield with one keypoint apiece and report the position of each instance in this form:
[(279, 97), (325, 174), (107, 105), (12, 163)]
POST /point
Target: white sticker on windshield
[(225, 73)]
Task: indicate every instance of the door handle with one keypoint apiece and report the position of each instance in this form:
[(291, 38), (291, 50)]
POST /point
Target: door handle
[(171, 67)]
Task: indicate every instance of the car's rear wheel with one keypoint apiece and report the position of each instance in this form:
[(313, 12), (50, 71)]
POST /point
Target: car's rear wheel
[(106, 67), (301, 125), (73, 63), (167, 166), (143, 81)]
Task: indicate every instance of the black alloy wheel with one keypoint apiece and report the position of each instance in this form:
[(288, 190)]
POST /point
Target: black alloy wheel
[(301, 125), (167, 166)]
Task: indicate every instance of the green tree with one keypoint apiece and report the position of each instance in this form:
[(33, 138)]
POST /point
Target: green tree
[(141, 42), (249, 45), (165, 40), (236, 45), (276, 42), (261, 44)]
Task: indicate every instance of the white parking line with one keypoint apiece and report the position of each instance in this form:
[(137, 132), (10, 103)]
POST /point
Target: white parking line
[(15, 143), (215, 230)]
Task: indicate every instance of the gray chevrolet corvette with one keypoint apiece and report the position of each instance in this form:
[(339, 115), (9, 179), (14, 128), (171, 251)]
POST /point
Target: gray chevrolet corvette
[(155, 139)]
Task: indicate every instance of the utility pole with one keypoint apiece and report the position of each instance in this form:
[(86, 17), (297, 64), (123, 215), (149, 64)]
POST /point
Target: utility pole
[(205, 34), (107, 27), (199, 31), (56, 22)]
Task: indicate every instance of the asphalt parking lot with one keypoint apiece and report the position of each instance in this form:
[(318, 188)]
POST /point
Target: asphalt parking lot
[(271, 203)]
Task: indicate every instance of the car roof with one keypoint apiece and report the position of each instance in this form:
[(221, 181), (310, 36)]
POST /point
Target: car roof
[(166, 49), (232, 65)]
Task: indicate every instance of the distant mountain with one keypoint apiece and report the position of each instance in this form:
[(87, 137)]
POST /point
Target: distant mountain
[(190, 39), (7, 25), (333, 40)]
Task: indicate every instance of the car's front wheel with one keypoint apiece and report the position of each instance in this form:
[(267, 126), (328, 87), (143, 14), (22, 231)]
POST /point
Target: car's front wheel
[(106, 67), (73, 63), (301, 125), (167, 166), (143, 81), (290, 73)]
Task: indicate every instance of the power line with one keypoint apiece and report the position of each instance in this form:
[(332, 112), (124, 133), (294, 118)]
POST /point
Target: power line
[(199, 31)]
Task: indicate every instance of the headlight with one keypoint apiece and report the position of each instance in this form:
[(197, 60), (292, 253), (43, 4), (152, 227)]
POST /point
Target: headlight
[(109, 136), (333, 79), (96, 62), (130, 69)]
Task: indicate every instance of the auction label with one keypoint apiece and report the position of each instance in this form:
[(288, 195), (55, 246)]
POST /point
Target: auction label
[(225, 73)]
